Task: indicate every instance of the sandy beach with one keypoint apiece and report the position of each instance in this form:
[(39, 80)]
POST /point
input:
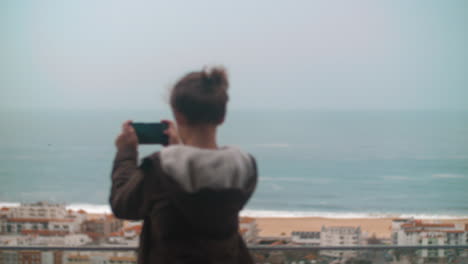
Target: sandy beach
[(381, 227)]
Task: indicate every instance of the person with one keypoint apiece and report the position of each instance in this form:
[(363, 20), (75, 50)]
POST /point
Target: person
[(190, 193)]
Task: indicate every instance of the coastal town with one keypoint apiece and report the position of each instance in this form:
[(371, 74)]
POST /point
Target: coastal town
[(44, 224)]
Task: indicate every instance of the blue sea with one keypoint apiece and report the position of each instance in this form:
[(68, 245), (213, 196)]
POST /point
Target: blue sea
[(311, 163)]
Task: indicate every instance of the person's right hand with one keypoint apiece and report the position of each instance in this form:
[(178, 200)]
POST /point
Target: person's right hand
[(171, 132), (127, 138)]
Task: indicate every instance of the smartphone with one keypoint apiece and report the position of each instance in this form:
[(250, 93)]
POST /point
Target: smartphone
[(151, 133)]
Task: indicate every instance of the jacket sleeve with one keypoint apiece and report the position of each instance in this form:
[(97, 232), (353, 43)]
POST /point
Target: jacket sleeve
[(127, 198), (252, 182)]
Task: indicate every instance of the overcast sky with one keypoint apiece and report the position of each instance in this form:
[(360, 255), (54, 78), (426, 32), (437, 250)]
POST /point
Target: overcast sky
[(364, 54)]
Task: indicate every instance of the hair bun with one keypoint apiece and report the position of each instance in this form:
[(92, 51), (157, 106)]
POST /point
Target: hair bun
[(215, 78)]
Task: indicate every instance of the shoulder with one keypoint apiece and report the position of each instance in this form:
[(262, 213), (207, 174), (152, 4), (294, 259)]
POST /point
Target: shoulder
[(195, 168)]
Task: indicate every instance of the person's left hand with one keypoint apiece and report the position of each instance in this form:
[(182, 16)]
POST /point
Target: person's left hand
[(127, 138)]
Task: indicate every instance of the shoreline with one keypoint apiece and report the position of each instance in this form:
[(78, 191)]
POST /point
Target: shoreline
[(281, 223), (380, 227), (284, 214)]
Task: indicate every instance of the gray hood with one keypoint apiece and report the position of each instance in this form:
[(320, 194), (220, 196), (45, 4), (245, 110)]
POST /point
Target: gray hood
[(195, 168)]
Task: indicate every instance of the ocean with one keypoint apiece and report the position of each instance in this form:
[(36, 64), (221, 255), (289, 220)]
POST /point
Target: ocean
[(311, 163)]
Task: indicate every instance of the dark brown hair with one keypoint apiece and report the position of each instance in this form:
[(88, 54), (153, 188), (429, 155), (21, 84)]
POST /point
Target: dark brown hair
[(202, 96)]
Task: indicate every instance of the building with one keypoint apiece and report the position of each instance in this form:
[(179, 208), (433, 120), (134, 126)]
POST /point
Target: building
[(396, 227), (9, 257), (29, 257), (306, 238), (248, 229), (41, 210), (129, 236), (417, 232), (78, 259), (102, 227), (41, 216), (340, 236), (21, 225)]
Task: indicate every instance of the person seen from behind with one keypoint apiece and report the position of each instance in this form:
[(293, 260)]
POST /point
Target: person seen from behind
[(190, 193)]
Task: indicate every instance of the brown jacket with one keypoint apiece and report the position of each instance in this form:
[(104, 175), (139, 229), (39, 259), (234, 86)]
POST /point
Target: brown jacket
[(189, 199)]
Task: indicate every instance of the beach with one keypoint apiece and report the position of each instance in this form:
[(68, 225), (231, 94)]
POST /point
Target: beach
[(381, 227)]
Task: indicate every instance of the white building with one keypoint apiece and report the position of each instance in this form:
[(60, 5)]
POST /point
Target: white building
[(306, 238), (40, 217), (41, 210), (38, 225), (340, 236), (416, 232)]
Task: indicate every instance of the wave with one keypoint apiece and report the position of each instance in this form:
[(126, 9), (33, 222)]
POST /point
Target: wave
[(343, 215), (105, 209), (273, 145), (89, 208), (448, 176)]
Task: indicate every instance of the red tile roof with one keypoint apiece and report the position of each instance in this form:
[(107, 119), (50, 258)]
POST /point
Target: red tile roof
[(434, 230), (420, 224), (277, 243), (455, 231), (136, 228), (5, 209), (81, 211), (407, 225), (118, 233)]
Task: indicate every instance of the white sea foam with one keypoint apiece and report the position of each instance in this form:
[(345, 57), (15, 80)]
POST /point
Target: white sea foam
[(274, 145), (448, 176), (396, 178), (91, 208), (350, 215), (98, 208)]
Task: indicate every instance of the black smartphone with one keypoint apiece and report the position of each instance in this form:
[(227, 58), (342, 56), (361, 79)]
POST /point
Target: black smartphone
[(151, 133)]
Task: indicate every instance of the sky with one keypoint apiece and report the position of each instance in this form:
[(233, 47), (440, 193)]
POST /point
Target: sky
[(320, 54)]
